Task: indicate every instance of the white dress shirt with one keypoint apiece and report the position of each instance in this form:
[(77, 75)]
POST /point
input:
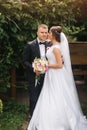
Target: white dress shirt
[(42, 49)]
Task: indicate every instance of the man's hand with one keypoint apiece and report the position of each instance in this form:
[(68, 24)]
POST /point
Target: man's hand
[(37, 72), (62, 59)]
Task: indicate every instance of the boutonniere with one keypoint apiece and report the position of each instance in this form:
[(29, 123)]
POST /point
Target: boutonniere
[(47, 48)]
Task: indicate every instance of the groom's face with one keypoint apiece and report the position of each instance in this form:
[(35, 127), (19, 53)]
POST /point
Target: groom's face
[(42, 33)]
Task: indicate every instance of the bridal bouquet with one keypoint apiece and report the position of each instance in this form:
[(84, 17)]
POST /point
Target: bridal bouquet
[(40, 65)]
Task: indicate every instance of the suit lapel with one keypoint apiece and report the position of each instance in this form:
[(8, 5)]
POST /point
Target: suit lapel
[(36, 49)]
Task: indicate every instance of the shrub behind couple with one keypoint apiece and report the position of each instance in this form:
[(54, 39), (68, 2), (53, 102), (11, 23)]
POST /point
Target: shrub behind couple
[(58, 107)]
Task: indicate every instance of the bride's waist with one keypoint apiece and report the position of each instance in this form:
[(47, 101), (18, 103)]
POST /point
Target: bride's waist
[(57, 69)]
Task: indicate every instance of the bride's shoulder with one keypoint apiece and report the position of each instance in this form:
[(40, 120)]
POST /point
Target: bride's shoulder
[(56, 46)]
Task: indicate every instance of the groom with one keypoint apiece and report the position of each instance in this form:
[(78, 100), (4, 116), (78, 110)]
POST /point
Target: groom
[(36, 48)]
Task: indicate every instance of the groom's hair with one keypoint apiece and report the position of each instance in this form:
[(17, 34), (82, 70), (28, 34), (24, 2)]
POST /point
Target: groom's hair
[(42, 26)]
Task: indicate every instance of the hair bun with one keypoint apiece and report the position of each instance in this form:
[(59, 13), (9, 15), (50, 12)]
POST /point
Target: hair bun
[(59, 29)]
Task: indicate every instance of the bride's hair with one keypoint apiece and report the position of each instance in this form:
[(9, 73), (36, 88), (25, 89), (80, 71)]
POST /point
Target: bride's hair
[(56, 31)]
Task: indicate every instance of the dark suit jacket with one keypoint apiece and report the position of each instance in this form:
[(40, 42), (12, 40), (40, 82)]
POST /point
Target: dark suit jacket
[(32, 51)]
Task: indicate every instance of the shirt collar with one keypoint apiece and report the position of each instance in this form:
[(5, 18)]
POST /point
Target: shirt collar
[(39, 40)]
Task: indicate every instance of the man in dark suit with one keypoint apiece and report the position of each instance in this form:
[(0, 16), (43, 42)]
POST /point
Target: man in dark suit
[(36, 48)]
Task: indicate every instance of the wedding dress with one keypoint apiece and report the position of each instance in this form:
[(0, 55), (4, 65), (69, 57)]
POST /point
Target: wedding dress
[(58, 107)]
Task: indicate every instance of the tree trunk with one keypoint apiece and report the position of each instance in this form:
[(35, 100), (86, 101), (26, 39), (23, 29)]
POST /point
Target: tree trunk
[(13, 82)]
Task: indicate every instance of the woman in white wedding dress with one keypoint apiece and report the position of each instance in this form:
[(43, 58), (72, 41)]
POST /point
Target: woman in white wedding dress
[(58, 107)]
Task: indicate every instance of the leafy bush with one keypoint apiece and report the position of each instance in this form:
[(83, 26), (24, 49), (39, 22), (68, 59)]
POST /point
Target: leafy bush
[(84, 108), (14, 114), (18, 24), (1, 106)]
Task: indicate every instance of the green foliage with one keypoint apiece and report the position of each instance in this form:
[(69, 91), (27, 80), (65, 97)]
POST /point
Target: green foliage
[(18, 24), (84, 108), (1, 106), (14, 106), (14, 114)]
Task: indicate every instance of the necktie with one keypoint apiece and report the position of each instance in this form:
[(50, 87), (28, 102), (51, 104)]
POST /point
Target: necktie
[(42, 43)]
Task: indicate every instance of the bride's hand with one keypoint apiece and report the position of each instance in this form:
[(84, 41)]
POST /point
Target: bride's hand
[(49, 66)]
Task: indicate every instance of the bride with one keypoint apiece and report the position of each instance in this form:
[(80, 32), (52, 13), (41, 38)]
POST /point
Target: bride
[(58, 107)]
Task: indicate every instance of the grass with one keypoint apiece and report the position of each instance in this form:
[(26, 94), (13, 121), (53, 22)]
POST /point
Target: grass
[(13, 115), (84, 109)]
